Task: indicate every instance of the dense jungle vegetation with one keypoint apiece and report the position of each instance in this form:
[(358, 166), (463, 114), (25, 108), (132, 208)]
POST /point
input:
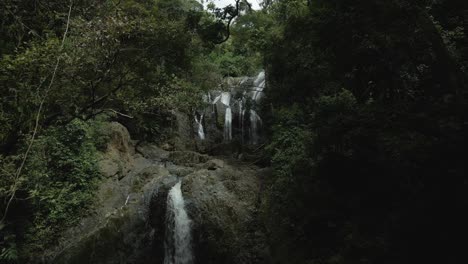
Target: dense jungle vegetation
[(365, 114)]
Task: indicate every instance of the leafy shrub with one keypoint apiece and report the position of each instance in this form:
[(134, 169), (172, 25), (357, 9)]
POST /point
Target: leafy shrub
[(56, 186)]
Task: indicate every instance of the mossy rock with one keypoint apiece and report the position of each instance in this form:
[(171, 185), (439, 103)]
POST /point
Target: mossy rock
[(123, 238), (188, 158)]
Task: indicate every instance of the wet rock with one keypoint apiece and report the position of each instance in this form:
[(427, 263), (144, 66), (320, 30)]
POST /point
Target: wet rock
[(151, 151), (213, 164), (125, 226), (157, 216), (167, 147), (128, 224), (222, 204), (121, 238), (188, 158), (183, 139), (179, 171)]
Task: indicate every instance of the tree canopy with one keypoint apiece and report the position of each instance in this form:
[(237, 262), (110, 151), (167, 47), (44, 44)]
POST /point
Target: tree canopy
[(365, 114)]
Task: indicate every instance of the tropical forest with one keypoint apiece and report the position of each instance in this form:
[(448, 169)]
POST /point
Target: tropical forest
[(233, 131)]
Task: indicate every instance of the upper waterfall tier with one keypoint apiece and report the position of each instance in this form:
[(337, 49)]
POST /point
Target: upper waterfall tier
[(237, 102)]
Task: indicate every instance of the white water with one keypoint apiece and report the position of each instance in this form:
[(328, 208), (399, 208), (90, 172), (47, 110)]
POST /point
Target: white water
[(259, 79), (255, 122), (224, 102), (228, 124), (178, 240), (241, 118), (226, 98), (213, 103), (258, 86), (241, 107), (201, 131), (217, 98)]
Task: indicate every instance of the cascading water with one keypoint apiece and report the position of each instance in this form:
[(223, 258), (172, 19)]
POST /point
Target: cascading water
[(226, 100), (178, 240), (201, 131), (255, 121), (258, 86), (241, 118), (217, 98), (214, 102), (241, 107), (228, 124), (246, 94)]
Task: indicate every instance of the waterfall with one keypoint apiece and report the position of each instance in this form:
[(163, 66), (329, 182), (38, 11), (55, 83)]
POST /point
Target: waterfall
[(255, 121), (201, 132), (177, 243), (226, 98), (242, 125), (213, 104), (241, 118), (217, 98), (258, 86), (241, 107), (228, 124), (239, 101)]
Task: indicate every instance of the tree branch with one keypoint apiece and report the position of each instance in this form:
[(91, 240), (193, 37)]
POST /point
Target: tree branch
[(38, 116), (228, 26)]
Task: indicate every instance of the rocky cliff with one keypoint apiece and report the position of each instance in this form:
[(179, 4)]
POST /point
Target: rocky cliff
[(128, 221)]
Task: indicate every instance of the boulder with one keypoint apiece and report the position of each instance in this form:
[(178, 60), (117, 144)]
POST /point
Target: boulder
[(128, 220), (222, 204), (179, 171), (187, 158), (119, 139), (152, 152), (118, 157), (127, 225), (213, 164)]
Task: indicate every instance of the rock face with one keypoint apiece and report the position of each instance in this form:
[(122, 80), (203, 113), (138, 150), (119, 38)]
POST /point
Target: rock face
[(128, 221), (119, 155), (188, 158), (232, 115), (223, 204)]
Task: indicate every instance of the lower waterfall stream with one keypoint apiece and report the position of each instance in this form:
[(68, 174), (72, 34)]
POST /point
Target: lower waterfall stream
[(178, 239)]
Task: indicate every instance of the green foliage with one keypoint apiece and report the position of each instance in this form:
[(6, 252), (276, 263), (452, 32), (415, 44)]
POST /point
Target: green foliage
[(252, 32), (342, 103), (232, 63), (132, 61), (9, 255), (138, 58), (56, 188), (9, 251), (286, 203), (240, 54), (62, 174), (346, 187), (291, 143)]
